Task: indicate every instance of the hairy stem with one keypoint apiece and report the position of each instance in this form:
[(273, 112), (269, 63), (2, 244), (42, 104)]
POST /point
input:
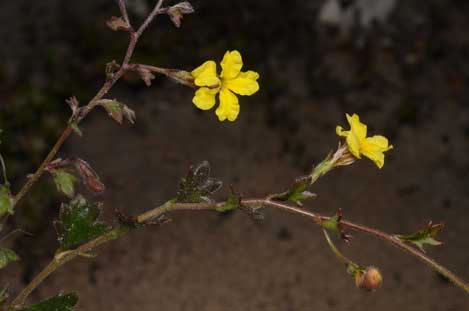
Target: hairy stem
[(4, 169), (150, 17), (134, 36), (61, 258), (32, 179), (123, 9)]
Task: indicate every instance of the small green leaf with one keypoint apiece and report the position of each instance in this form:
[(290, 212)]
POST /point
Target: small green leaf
[(423, 237), (60, 302), (118, 110), (78, 222), (6, 206), (230, 204), (297, 193), (331, 224), (197, 186), (76, 129), (64, 181), (7, 256)]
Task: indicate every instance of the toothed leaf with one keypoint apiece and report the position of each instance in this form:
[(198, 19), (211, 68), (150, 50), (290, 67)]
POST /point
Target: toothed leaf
[(78, 222), (60, 302), (197, 186)]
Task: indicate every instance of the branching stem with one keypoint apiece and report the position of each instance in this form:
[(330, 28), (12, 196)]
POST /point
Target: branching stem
[(134, 36), (123, 9), (61, 258)]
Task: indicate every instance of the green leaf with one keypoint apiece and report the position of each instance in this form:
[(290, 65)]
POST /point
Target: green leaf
[(60, 302), (197, 186), (117, 110), (7, 256), (6, 206), (64, 181), (78, 222), (297, 193), (331, 224), (76, 129), (423, 237), (230, 204)]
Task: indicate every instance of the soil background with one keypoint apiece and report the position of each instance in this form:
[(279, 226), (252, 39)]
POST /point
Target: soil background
[(407, 79)]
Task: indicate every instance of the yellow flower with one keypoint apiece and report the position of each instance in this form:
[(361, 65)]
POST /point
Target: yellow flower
[(358, 144), (231, 80)]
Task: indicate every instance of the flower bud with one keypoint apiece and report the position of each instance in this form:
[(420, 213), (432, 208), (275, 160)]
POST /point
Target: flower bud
[(369, 280), (89, 177)]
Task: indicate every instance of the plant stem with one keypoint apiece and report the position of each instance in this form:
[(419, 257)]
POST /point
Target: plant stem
[(32, 179), (134, 36), (150, 18), (62, 258), (4, 169), (336, 252), (123, 9), (384, 236)]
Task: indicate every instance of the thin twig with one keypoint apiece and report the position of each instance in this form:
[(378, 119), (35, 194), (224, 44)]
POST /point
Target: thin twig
[(32, 179), (4, 169), (336, 252), (134, 36), (65, 257), (125, 15), (150, 18)]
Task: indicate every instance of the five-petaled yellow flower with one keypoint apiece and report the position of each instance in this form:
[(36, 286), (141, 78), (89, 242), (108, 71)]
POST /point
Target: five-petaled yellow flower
[(358, 144), (231, 80)]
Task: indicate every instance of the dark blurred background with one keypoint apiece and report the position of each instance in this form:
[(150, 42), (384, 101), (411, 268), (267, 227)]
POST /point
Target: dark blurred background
[(402, 66)]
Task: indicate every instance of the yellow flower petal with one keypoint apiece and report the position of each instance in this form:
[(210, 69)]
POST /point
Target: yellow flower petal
[(380, 142), (244, 84), (205, 98), (231, 65), (340, 131), (229, 107), (206, 74), (353, 145), (356, 136), (374, 148), (357, 128)]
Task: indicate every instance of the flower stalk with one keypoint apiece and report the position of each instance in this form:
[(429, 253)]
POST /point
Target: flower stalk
[(61, 258)]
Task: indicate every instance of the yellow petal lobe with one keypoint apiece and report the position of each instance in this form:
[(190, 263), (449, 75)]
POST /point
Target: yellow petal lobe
[(244, 84), (340, 131), (229, 107), (353, 145), (205, 98), (357, 128), (374, 147), (231, 65), (206, 74)]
